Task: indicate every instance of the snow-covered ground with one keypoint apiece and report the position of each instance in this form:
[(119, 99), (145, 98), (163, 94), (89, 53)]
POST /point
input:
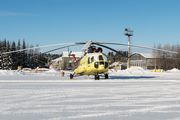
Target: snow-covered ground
[(132, 94)]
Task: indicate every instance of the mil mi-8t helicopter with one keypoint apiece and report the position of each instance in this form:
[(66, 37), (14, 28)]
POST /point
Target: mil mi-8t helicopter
[(93, 61)]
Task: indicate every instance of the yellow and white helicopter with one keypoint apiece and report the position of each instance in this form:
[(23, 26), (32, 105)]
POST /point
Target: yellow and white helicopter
[(94, 61)]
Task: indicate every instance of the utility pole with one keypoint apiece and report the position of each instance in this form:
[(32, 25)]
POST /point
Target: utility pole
[(128, 33)]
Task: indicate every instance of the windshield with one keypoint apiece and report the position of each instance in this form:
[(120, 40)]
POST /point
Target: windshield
[(101, 57)]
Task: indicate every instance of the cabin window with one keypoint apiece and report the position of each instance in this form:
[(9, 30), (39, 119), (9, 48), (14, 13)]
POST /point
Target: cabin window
[(101, 57), (89, 60), (92, 59)]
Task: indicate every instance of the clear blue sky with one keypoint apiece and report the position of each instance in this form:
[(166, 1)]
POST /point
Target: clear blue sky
[(46, 22)]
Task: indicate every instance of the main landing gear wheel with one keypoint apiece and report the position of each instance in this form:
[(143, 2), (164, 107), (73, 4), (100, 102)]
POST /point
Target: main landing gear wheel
[(71, 76), (96, 77), (106, 76)]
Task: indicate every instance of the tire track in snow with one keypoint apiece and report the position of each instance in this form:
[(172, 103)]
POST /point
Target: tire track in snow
[(89, 100)]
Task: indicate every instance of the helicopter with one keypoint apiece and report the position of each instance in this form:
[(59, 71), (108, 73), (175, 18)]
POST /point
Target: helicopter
[(94, 61)]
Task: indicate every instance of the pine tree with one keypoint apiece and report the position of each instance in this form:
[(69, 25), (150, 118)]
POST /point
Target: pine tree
[(8, 59), (14, 56), (24, 55), (19, 58), (0, 56), (3, 49)]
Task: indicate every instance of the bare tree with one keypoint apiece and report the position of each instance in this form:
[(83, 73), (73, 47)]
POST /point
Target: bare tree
[(166, 60), (37, 49)]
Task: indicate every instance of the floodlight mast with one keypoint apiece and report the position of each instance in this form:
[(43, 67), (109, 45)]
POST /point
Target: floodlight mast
[(128, 33)]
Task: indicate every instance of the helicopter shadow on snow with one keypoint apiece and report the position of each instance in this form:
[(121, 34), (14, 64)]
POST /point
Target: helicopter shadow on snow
[(131, 77)]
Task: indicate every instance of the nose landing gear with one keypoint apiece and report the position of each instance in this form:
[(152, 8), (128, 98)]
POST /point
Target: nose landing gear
[(96, 77)]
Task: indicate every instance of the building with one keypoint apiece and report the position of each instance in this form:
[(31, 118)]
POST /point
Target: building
[(118, 66), (144, 60), (66, 62)]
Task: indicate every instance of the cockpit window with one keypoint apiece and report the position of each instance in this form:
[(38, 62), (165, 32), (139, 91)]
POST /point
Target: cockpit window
[(101, 57)]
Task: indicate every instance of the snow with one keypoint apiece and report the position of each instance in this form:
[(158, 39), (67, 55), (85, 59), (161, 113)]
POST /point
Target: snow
[(66, 54), (114, 64), (57, 59), (146, 55), (131, 94), (174, 70), (77, 54)]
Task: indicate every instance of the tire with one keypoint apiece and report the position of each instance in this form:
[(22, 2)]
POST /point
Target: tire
[(106, 76), (71, 76), (96, 77)]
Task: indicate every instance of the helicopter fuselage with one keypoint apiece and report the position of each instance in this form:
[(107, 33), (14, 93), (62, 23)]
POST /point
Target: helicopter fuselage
[(93, 64)]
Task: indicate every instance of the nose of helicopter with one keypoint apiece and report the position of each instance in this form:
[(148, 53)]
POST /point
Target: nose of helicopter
[(101, 66)]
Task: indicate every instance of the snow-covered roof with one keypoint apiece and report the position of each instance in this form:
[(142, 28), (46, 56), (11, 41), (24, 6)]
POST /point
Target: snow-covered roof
[(146, 55), (44, 69), (57, 59), (77, 54), (66, 54)]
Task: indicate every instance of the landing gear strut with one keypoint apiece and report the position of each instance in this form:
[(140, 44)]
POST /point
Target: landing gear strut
[(96, 77)]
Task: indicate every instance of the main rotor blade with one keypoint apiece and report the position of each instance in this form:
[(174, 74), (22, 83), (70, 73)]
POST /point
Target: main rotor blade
[(111, 49), (54, 50), (87, 45), (136, 46), (80, 43), (36, 47)]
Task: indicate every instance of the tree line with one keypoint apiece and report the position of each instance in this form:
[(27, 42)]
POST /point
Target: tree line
[(164, 60), (117, 57), (22, 58), (167, 60)]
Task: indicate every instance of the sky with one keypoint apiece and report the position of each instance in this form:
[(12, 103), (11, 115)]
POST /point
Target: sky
[(45, 22)]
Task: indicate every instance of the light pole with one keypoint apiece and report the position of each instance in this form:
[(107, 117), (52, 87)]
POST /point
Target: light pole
[(128, 33)]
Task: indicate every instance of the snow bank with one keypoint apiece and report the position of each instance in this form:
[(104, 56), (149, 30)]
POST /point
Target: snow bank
[(131, 71), (114, 64), (174, 70), (52, 70), (11, 72)]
